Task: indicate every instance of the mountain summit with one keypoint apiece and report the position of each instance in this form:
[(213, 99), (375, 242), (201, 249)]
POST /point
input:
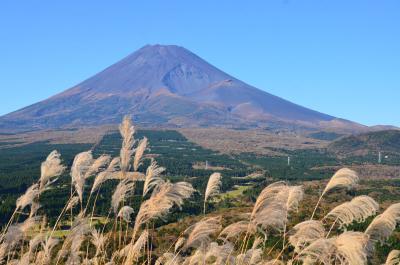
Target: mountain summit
[(169, 85)]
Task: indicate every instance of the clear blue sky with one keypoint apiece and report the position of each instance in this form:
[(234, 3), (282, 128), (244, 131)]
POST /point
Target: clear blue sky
[(340, 57)]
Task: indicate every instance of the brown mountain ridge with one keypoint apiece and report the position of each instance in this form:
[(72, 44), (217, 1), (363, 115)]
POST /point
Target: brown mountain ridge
[(170, 86)]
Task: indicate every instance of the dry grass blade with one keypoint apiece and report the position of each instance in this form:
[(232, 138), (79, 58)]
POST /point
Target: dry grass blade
[(274, 262), (222, 254), (267, 196), (305, 233), (105, 175), (251, 257), (213, 186), (29, 223), (139, 151), (168, 259), (197, 258), (321, 250), (179, 243), (125, 189), (72, 243), (351, 248), (28, 197), (133, 176), (132, 251), (357, 210), (162, 199), (273, 218), (35, 206), (347, 248), (199, 233), (36, 241), (99, 240), (271, 208), (127, 131), (384, 224), (81, 164), (236, 229), (125, 213), (50, 168), (44, 257), (12, 237), (343, 178), (72, 203), (393, 258), (295, 196), (152, 177), (97, 165)]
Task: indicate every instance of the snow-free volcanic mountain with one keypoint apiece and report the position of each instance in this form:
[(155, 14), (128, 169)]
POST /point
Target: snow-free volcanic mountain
[(167, 85)]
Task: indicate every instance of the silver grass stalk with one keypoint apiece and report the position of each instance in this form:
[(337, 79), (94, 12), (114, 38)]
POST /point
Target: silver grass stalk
[(3, 251), (97, 165), (305, 233), (220, 253), (50, 168), (28, 224), (347, 248), (44, 257), (80, 166), (25, 259), (179, 243), (99, 240), (271, 208), (257, 242), (393, 258), (133, 176), (36, 241), (356, 210), (28, 198), (198, 257), (123, 190), (133, 251), (152, 177), (343, 178), (35, 206), (236, 229), (127, 131), (199, 233), (213, 188), (251, 257), (351, 248), (295, 196), (161, 201), (267, 196), (384, 224), (168, 259), (13, 236), (139, 151), (274, 262), (72, 203), (105, 175), (72, 243), (125, 213)]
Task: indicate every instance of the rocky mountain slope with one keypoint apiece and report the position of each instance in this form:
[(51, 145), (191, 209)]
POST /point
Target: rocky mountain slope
[(168, 85)]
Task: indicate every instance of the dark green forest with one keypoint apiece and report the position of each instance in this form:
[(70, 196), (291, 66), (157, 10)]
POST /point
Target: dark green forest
[(20, 167)]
